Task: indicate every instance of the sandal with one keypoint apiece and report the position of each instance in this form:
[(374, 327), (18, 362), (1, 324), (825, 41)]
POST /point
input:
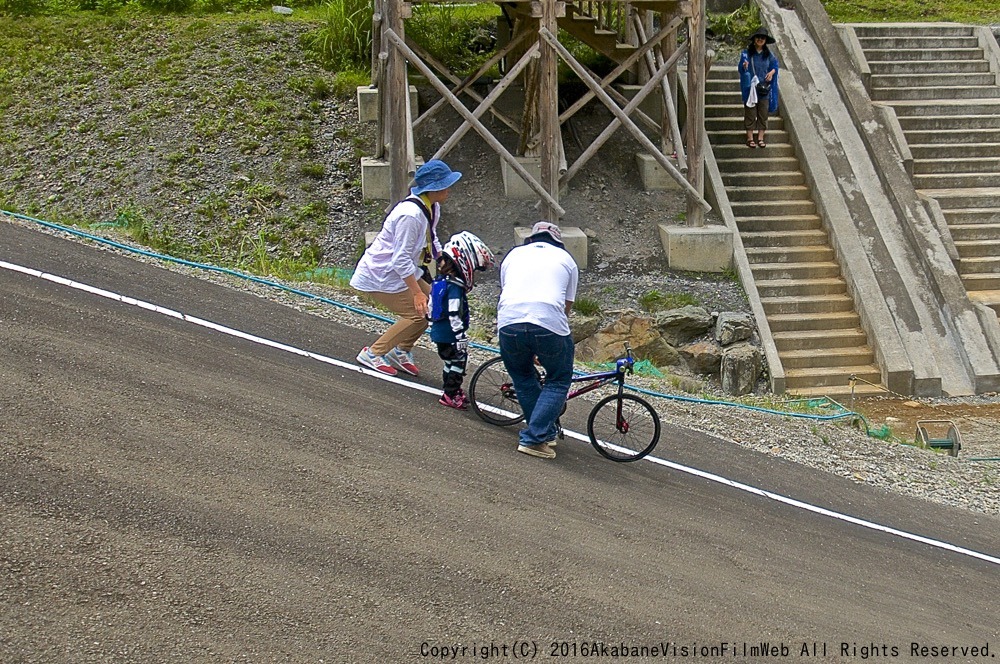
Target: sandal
[(761, 143), (751, 143)]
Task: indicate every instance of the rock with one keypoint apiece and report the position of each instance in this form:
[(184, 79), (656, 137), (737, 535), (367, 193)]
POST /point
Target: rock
[(732, 327), (581, 327), (679, 326), (284, 11), (740, 368), (704, 357), (638, 331)]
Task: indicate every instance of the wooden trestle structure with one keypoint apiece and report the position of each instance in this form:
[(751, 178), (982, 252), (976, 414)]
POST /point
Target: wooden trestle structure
[(621, 30)]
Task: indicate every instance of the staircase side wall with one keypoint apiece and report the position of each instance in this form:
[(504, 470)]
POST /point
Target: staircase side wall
[(917, 277)]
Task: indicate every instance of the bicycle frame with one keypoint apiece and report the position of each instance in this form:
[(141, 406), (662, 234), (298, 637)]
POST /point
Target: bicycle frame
[(599, 380)]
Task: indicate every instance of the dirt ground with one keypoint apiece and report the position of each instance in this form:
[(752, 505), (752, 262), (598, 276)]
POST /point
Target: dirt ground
[(978, 424)]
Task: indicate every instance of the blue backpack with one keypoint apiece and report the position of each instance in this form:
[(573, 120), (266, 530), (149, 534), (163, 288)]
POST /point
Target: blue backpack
[(439, 299)]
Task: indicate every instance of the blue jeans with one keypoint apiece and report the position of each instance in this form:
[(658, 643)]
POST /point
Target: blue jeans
[(520, 344)]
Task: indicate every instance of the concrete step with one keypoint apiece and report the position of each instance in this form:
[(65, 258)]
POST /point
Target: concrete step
[(831, 357), (974, 232), (949, 122), (916, 80), (956, 180), (807, 304), (752, 209), (819, 339), (795, 271), (763, 178), (791, 193), (951, 199), (930, 68), (826, 377), (990, 298), (958, 165), (724, 106), (925, 55), (973, 224), (803, 322), (783, 288), (776, 138), (947, 107), (785, 238), (979, 248), (981, 282), (954, 150), (735, 123), (920, 31), (778, 253), (740, 150), (775, 223), (978, 265), (953, 136), (935, 93), (842, 394), (917, 43), (758, 162)]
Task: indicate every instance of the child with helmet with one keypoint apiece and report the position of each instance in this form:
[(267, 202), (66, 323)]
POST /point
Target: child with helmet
[(461, 257)]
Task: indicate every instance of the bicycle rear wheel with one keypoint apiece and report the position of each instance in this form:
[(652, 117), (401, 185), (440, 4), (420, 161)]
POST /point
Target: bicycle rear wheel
[(492, 387), (623, 427)]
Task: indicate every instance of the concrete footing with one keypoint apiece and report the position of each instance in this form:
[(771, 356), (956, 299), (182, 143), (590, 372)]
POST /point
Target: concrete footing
[(375, 178), (654, 177), (574, 239), (368, 102), (697, 249), (516, 188)]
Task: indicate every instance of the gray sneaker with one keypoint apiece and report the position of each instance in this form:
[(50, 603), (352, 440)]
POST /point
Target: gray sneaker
[(542, 451)]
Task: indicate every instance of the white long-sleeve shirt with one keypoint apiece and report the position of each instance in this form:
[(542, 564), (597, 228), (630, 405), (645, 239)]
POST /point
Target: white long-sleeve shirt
[(395, 253)]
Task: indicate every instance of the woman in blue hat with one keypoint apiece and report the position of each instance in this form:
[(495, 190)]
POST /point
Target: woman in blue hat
[(391, 268)]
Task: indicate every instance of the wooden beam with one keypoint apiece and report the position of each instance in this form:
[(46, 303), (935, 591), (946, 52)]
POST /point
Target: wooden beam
[(500, 88), (612, 126), (548, 105), (621, 68), (695, 125), (623, 118), (462, 85), (669, 108), (396, 91), (457, 104)]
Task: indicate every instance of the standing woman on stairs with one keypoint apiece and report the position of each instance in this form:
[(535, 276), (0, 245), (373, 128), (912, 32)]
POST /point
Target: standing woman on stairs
[(758, 70)]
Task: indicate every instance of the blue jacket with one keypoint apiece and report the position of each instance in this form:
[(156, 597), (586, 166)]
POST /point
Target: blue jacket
[(762, 66)]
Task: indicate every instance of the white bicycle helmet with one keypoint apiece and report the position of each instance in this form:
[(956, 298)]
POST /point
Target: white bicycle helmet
[(469, 253)]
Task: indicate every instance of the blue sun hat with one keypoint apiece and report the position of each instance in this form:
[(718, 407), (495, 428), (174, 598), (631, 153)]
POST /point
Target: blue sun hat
[(434, 176)]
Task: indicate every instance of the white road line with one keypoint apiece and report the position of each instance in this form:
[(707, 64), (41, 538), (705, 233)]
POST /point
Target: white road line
[(424, 388)]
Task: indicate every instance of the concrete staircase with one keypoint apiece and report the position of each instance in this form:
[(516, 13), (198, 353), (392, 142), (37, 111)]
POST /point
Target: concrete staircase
[(939, 81), (815, 326)]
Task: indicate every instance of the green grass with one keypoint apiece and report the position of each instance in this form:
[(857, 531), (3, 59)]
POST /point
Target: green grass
[(586, 306), (654, 300), (980, 12)]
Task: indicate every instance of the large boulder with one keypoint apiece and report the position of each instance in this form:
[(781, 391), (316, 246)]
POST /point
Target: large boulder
[(732, 327), (741, 365), (581, 327), (638, 331), (679, 326), (703, 357)]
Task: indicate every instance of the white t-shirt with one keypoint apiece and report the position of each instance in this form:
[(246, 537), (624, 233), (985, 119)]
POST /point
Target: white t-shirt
[(395, 253), (536, 282)]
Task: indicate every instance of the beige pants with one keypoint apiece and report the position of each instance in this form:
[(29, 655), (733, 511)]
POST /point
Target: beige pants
[(409, 324)]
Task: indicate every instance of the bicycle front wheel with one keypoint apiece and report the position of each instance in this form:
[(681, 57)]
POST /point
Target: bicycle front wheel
[(492, 393), (623, 427)]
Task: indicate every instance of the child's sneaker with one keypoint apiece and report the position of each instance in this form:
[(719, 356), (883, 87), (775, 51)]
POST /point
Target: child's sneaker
[(459, 401), (403, 360), (376, 362)]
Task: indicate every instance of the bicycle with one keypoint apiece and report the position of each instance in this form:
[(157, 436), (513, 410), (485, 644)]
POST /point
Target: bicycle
[(622, 427)]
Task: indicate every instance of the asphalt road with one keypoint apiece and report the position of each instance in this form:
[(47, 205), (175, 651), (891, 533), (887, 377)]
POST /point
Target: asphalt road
[(170, 493)]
